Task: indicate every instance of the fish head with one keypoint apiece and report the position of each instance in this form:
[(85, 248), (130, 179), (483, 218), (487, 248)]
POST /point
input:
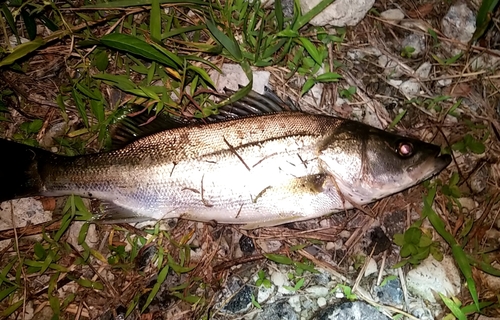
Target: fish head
[(368, 163)]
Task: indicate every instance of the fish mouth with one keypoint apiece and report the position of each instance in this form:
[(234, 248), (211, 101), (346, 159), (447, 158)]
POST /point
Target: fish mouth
[(431, 167)]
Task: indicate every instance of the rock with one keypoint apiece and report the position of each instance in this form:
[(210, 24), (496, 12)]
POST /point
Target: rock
[(233, 76), (410, 88), (278, 310), (264, 293), (423, 71), (467, 203), (317, 291), (432, 276), (394, 15), (246, 245), (390, 293), (379, 240), (420, 310), (321, 302), (279, 279), (391, 67), (25, 211), (241, 301), (357, 310), (269, 245), (459, 24), (479, 179), (294, 302), (371, 268), (415, 41), (444, 82), (340, 13), (74, 231), (485, 61)]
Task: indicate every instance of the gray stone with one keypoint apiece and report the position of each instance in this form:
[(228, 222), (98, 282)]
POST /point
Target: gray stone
[(357, 310), (390, 293), (241, 301), (394, 15), (278, 310), (415, 41), (459, 23), (340, 13)]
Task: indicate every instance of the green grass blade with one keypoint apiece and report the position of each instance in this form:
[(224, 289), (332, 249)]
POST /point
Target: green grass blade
[(311, 49), (135, 3), (230, 44), (22, 50), (483, 18), (302, 20), (278, 11), (453, 307), (29, 23), (136, 46), (161, 278), (457, 251), (10, 21), (155, 20), (7, 312)]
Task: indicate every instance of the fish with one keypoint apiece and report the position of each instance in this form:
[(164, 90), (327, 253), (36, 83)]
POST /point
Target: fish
[(259, 162)]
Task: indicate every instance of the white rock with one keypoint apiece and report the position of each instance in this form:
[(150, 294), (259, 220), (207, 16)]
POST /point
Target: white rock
[(26, 210), (467, 203), (321, 302), (391, 67), (279, 279), (395, 15), (410, 88), (415, 41), (371, 268), (360, 53), (74, 231), (268, 245), (294, 301), (432, 276), (485, 61), (317, 291), (264, 293), (424, 70), (459, 23), (233, 76), (340, 13), (444, 82), (395, 83)]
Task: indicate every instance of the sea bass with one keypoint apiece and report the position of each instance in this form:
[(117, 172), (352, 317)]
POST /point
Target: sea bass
[(257, 163)]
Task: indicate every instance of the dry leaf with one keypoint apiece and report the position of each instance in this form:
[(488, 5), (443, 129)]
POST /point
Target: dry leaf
[(458, 90), (421, 11)]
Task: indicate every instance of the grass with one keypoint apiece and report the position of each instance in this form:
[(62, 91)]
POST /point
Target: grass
[(159, 54)]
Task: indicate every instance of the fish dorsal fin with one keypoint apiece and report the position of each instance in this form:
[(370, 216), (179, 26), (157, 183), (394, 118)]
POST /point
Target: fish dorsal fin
[(137, 122), (253, 104)]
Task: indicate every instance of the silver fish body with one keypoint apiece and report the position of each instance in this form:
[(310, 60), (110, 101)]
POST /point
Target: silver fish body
[(259, 171)]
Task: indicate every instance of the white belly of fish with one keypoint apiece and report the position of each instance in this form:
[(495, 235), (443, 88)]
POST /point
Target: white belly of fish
[(262, 184)]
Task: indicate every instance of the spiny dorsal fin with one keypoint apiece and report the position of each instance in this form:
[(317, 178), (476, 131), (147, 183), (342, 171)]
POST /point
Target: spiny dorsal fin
[(138, 123)]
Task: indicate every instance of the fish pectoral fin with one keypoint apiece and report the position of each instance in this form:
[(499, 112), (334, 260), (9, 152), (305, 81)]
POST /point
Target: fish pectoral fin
[(112, 214), (271, 223)]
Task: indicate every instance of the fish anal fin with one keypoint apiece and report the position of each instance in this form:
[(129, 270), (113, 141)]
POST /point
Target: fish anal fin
[(113, 214), (272, 223)]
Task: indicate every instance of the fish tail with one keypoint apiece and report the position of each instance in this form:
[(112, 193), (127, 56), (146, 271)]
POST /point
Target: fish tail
[(19, 170)]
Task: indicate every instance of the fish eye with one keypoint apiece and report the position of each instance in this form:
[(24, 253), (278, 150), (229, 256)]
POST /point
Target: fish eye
[(405, 149)]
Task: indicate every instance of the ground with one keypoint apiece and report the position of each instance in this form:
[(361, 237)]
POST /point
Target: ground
[(426, 74)]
